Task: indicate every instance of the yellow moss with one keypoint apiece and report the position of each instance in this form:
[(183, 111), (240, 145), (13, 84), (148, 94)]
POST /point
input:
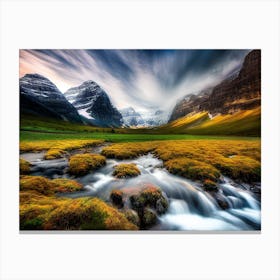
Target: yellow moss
[(54, 153), (125, 170), (128, 150), (71, 214), (41, 185), (36, 183), (81, 164), (24, 166), (192, 169), (65, 145), (62, 185), (230, 157)]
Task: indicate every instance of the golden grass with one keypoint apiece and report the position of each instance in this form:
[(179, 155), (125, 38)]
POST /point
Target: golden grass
[(41, 209), (128, 150), (24, 166), (63, 185), (41, 185), (54, 153), (50, 213), (82, 164), (238, 159), (125, 170), (65, 145)]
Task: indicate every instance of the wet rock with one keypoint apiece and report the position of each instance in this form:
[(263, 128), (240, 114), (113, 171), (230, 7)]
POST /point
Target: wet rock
[(132, 216), (149, 217), (116, 197), (222, 202), (209, 185)]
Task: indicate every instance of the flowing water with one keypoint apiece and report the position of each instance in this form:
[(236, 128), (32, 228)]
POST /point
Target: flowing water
[(190, 208)]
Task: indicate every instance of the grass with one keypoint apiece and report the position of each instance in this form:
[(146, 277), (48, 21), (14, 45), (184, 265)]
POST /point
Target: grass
[(40, 209), (82, 164), (57, 146), (44, 186), (31, 136), (24, 166), (243, 123), (126, 170), (50, 213), (199, 159)]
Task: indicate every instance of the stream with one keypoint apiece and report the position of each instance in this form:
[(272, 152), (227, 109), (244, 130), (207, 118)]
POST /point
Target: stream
[(190, 207)]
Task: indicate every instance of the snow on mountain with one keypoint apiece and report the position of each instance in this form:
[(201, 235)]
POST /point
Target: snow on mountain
[(132, 118), (40, 97), (93, 103)]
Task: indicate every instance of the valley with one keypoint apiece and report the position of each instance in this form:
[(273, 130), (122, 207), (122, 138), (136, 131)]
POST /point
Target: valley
[(87, 165)]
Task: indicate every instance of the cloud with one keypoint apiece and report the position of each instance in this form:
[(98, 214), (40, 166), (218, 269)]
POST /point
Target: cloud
[(144, 79)]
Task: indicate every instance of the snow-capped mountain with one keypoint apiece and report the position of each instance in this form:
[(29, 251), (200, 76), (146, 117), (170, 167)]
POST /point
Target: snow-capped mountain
[(93, 103), (155, 118), (131, 117), (40, 97)]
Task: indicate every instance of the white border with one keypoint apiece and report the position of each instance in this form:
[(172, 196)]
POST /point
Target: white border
[(124, 24)]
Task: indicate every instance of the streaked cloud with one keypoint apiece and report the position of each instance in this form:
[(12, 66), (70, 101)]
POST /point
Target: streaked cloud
[(144, 79)]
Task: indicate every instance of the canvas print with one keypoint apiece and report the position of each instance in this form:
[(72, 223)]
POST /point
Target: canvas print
[(140, 140)]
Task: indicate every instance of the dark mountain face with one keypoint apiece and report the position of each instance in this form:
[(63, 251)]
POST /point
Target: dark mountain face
[(93, 103), (40, 97), (242, 92)]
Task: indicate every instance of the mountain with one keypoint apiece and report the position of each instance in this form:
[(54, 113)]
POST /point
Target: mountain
[(235, 93), (93, 103), (155, 118), (40, 97), (190, 103), (131, 117)]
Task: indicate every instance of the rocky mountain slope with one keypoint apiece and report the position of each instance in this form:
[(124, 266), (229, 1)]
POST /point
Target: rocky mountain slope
[(240, 92), (40, 97), (93, 103), (131, 117)]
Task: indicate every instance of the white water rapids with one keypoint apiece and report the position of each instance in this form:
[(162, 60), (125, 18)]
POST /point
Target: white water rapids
[(190, 207)]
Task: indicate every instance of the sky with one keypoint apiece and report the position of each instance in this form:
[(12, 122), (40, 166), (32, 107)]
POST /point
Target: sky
[(146, 80)]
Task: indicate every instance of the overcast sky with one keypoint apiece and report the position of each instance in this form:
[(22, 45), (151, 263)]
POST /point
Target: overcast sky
[(144, 79)]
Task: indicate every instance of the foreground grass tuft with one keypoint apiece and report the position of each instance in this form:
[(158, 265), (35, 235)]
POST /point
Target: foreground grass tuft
[(24, 166), (43, 186), (126, 170), (82, 164)]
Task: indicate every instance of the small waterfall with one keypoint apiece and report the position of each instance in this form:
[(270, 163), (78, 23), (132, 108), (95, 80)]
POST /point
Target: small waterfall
[(190, 207)]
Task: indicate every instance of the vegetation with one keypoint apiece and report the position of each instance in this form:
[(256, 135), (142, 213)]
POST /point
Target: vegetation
[(57, 146), (24, 166), (41, 209), (46, 186), (82, 164), (199, 159), (50, 213), (125, 170), (63, 185), (54, 153), (243, 123)]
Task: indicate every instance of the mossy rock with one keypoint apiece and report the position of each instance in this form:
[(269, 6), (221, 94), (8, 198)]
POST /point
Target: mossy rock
[(151, 197), (209, 185), (82, 164), (63, 185), (54, 154), (192, 169), (126, 170), (39, 184), (87, 214), (132, 216), (24, 166), (116, 197), (149, 218)]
